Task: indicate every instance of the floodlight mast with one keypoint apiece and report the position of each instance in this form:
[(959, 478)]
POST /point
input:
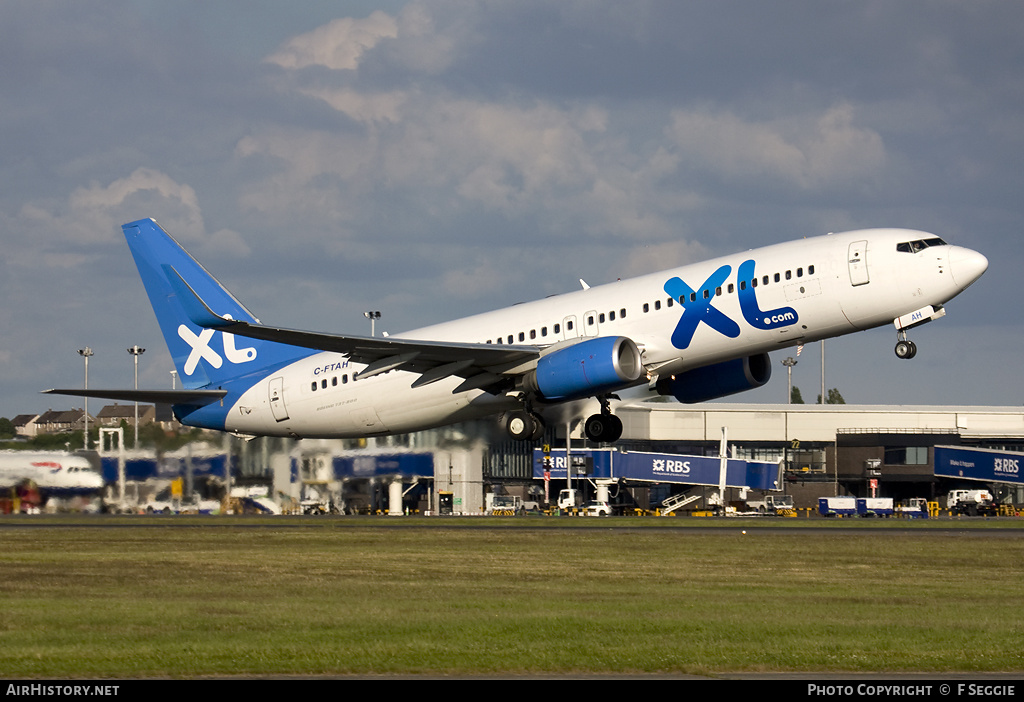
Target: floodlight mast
[(86, 353), (136, 351)]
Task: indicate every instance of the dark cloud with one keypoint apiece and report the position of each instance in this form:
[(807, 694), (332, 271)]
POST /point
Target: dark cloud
[(444, 158)]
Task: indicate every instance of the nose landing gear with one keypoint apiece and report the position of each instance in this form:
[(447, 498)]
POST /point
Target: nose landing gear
[(904, 347)]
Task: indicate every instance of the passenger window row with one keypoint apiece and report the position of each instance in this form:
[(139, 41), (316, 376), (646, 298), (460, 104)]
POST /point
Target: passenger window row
[(556, 328), (334, 382), (611, 316), (731, 288)]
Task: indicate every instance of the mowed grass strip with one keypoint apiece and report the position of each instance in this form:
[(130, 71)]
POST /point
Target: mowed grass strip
[(133, 601)]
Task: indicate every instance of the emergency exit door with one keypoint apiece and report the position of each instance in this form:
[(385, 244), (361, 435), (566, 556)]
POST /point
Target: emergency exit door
[(277, 399)]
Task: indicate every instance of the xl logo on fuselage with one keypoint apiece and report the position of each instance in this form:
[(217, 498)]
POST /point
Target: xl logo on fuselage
[(699, 306), (200, 344)]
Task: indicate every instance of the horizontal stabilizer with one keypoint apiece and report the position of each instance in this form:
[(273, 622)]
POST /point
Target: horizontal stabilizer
[(164, 397)]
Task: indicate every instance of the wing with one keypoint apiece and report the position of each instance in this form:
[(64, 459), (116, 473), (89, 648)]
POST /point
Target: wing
[(170, 397), (482, 366)]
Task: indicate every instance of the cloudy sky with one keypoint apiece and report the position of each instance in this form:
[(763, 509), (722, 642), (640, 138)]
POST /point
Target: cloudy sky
[(436, 159)]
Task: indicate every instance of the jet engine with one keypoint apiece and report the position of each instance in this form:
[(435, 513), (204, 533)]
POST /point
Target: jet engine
[(586, 368), (718, 380)]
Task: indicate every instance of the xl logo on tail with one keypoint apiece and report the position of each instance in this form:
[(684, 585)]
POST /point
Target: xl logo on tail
[(200, 344), (699, 306)]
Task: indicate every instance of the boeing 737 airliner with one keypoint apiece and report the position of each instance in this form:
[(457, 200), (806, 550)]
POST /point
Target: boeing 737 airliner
[(696, 333)]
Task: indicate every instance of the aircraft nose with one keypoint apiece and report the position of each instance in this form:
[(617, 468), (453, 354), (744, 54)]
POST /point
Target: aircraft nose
[(966, 265)]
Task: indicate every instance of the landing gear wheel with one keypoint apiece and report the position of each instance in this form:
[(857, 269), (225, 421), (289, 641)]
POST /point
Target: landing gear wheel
[(524, 426), (603, 428), (519, 426), (906, 349), (538, 427)]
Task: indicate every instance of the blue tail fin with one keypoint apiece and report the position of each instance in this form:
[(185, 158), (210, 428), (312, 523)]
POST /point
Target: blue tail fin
[(203, 357)]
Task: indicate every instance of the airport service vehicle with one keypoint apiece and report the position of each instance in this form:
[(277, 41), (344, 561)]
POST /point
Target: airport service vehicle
[(837, 506), (971, 503), (570, 499), (166, 502), (597, 509), (875, 507), (695, 333), (914, 508), (176, 505), (503, 505), (771, 504)]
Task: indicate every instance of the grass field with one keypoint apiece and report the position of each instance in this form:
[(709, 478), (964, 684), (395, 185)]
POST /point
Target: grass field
[(184, 597)]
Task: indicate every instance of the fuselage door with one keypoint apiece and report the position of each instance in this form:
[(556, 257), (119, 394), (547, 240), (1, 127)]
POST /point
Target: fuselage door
[(569, 328), (590, 326), (858, 260), (277, 399)]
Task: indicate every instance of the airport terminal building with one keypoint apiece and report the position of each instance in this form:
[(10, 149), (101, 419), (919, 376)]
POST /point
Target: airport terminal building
[(813, 451), (824, 450), (821, 450)]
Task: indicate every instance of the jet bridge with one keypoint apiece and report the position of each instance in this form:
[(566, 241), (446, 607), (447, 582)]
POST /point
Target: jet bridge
[(660, 468), (984, 465)]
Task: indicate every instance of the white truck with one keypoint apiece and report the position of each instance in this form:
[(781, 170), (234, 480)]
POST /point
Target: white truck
[(971, 503), (570, 499), (771, 504)]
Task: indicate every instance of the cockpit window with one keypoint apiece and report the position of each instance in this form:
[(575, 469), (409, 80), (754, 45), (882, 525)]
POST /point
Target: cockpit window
[(919, 245)]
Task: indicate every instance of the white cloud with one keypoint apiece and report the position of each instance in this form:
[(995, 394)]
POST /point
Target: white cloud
[(477, 280), (338, 45), (807, 152), (366, 108), (93, 215), (422, 48), (311, 171), (657, 257), (458, 152)]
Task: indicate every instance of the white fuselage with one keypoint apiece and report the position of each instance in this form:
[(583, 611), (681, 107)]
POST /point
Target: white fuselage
[(809, 289), (51, 472)]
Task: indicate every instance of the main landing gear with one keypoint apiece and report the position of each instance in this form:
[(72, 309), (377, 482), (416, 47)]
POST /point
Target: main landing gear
[(604, 428), (523, 425), (904, 347)]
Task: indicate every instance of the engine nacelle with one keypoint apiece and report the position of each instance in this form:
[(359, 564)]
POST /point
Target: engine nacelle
[(587, 368), (718, 380)]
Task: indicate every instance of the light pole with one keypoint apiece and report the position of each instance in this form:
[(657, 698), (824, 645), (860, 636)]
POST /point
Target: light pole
[(136, 351), (789, 363), (373, 316), (822, 371), (85, 353)]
